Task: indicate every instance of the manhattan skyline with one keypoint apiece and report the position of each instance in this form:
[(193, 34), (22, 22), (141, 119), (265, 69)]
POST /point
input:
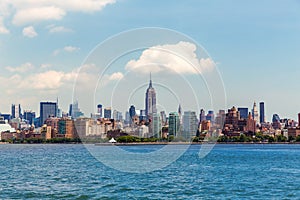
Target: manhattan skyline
[(255, 53)]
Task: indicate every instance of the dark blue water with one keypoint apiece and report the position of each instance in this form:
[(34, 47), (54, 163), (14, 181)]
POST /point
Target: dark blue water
[(228, 172)]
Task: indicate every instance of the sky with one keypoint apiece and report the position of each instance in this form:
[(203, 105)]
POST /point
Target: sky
[(250, 47)]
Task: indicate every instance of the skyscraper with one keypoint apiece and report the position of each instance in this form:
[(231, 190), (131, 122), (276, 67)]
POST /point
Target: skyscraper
[(16, 111), (298, 119), (107, 112), (179, 110), (174, 124), (163, 117), (156, 125), (150, 100), (262, 112), (142, 115), (275, 118), (99, 110), (74, 110), (180, 114), (250, 126), (132, 111), (255, 113), (210, 116), (117, 115), (243, 113), (47, 109), (29, 116), (202, 116), (127, 118), (190, 124)]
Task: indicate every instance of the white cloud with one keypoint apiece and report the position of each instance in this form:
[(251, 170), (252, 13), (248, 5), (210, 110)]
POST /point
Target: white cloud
[(44, 81), (25, 12), (29, 32), (3, 29), (84, 6), (49, 80), (38, 14), (5, 7), (175, 58), (21, 69), (59, 29), (116, 76), (68, 49), (109, 78), (45, 66), (71, 48)]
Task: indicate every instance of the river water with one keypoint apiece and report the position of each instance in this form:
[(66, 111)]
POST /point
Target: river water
[(69, 171)]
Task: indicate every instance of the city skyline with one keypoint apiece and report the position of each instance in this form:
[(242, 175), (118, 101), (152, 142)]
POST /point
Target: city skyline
[(262, 46), (107, 112)]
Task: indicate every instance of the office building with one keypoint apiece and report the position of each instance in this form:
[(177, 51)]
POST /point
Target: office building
[(243, 113), (142, 116), (210, 116), (251, 125), (150, 100), (202, 116), (174, 124), (16, 111), (127, 118), (132, 111), (163, 117), (47, 109), (190, 124), (74, 110), (262, 112), (66, 128), (107, 112), (255, 114), (29, 116), (117, 116), (156, 126), (205, 125), (220, 119), (275, 118), (99, 110)]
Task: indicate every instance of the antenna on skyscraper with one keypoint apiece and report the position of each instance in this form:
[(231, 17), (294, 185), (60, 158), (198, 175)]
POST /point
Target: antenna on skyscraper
[(150, 84)]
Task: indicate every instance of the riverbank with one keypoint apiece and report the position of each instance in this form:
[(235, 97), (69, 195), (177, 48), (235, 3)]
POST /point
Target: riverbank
[(188, 143)]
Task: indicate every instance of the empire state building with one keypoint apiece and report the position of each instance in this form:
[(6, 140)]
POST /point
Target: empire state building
[(150, 101)]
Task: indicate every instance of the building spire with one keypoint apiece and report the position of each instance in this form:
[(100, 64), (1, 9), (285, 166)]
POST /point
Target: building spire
[(179, 109), (150, 84)]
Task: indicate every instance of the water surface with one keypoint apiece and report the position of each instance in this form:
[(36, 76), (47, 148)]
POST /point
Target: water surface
[(66, 171)]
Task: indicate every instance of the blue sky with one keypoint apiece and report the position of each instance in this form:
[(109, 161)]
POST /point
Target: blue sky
[(255, 44)]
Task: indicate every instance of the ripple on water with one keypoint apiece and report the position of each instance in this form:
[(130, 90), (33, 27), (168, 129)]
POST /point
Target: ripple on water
[(228, 172)]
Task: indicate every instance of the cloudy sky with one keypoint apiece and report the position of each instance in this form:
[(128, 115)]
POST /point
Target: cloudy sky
[(254, 45)]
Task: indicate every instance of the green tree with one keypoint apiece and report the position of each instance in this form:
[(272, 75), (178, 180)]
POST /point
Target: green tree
[(271, 139), (291, 138), (281, 138), (243, 138), (170, 138)]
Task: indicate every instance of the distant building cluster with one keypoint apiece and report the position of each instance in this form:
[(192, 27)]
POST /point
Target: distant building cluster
[(144, 123)]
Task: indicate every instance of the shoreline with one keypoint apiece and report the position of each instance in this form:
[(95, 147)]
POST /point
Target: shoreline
[(163, 143), (189, 143)]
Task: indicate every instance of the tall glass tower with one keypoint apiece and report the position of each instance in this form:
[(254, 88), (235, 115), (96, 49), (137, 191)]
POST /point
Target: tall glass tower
[(262, 112), (174, 124), (47, 109), (150, 100)]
